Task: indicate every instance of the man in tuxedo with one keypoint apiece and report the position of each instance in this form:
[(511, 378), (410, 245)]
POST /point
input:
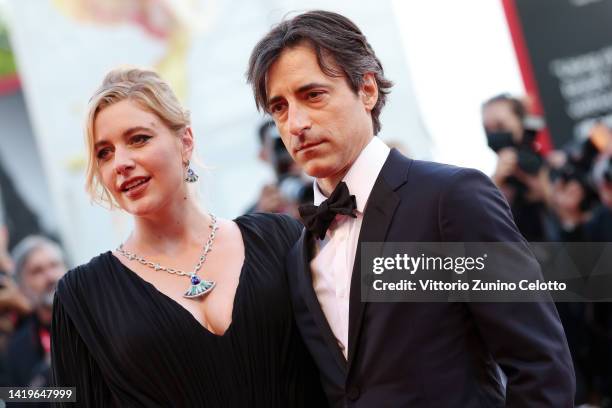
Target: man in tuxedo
[(321, 82)]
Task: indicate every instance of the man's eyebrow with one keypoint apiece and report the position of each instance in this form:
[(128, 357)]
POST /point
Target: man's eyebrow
[(124, 134), (301, 89), (310, 86)]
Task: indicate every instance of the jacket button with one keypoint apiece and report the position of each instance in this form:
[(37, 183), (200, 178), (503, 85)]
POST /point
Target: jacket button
[(353, 393)]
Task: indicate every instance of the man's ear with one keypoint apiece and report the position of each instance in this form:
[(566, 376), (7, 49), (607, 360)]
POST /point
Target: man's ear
[(369, 91), (187, 144)]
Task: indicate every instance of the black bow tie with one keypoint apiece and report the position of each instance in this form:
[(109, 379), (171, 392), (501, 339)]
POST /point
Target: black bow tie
[(318, 219)]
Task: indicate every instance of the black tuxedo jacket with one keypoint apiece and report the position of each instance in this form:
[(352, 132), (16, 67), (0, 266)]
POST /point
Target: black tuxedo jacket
[(434, 354)]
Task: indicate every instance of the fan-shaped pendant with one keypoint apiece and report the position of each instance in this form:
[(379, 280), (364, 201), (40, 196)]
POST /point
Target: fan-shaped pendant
[(199, 287)]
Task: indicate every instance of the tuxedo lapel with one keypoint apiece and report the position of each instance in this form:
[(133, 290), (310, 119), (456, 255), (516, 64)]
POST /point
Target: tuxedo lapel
[(306, 253), (377, 219)]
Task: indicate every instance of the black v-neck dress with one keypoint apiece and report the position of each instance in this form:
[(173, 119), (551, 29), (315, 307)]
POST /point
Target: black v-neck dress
[(123, 343)]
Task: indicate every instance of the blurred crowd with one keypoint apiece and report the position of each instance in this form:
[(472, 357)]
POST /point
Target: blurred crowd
[(562, 195), (291, 186), (28, 278)]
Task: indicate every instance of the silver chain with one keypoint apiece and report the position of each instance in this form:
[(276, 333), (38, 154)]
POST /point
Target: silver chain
[(213, 232)]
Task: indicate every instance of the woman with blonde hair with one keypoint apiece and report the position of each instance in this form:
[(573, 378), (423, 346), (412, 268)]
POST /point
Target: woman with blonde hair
[(190, 310)]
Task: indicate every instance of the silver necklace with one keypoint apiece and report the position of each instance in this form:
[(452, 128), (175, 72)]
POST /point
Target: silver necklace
[(199, 287)]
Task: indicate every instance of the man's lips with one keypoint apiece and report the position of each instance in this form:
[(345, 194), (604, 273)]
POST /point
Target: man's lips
[(307, 146)]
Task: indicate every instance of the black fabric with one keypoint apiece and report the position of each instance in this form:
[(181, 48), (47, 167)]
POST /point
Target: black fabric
[(25, 355), (442, 355), (27, 365), (317, 219), (123, 343)]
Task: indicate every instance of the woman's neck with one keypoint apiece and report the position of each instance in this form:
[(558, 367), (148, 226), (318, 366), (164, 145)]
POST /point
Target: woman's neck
[(171, 230)]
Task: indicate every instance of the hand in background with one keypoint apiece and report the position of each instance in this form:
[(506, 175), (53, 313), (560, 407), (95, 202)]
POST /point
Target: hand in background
[(6, 262), (538, 185), (506, 165), (11, 298)]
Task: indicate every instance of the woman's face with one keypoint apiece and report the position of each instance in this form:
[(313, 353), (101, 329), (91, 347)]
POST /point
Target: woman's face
[(140, 160)]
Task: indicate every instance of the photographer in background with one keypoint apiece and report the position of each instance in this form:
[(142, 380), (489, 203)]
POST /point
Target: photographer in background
[(520, 173), (39, 265), (573, 194), (578, 184), (599, 228), (291, 188), (13, 303), (581, 205)]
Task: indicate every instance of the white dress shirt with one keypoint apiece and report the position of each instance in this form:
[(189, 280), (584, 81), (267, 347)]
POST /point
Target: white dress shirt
[(332, 267)]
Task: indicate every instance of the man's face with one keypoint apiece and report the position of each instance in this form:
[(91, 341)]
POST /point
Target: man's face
[(499, 117), (39, 276), (322, 122)]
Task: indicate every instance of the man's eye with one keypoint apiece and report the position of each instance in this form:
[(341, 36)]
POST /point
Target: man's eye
[(314, 94), (276, 108)]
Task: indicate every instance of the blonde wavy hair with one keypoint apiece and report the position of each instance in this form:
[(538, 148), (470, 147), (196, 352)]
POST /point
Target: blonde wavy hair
[(142, 86)]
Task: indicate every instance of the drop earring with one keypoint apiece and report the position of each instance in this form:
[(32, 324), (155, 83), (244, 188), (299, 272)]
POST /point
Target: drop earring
[(191, 176)]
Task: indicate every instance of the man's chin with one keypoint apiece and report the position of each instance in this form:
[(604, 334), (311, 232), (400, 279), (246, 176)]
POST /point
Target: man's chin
[(319, 169)]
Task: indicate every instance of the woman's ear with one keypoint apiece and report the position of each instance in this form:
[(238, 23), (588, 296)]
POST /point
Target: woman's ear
[(187, 144), (369, 91)]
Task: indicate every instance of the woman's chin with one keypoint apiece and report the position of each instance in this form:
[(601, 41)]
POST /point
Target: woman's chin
[(140, 209)]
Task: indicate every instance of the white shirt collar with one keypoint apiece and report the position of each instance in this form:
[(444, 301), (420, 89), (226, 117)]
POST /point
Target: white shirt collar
[(363, 173)]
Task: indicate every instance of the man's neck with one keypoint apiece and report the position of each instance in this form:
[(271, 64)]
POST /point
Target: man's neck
[(327, 185)]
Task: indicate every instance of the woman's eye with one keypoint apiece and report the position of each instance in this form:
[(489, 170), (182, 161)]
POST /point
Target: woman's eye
[(140, 139), (314, 94), (103, 153)]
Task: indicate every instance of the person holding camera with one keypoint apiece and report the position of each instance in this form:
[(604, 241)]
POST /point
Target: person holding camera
[(13, 303), (290, 188), (599, 228), (520, 173), (578, 182), (39, 265)]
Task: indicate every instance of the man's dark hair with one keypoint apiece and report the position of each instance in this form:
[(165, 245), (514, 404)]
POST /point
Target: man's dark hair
[(341, 49), (518, 108)]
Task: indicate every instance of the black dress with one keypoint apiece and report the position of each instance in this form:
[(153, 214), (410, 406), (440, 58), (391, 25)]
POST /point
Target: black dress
[(123, 343)]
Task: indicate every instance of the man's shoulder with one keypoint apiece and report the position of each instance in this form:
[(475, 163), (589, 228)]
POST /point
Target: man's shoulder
[(434, 170), (434, 176)]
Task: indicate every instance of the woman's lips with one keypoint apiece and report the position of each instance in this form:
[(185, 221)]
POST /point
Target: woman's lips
[(137, 190)]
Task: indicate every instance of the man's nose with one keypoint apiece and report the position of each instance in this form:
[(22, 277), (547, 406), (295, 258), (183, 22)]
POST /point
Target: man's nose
[(299, 120)]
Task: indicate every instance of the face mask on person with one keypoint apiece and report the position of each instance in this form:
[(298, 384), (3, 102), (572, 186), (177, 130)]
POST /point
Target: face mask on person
[(499, 140)]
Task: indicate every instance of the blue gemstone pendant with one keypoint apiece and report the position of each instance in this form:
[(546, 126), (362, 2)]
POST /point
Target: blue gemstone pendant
[(199, 287)]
